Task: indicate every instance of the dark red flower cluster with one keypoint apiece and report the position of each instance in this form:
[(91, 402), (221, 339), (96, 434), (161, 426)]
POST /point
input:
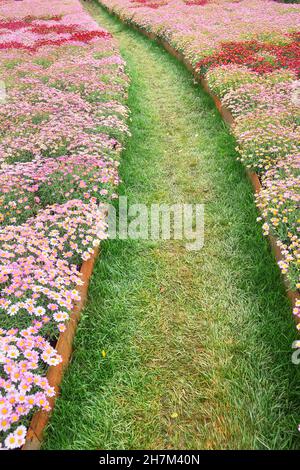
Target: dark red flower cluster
[(258, 56), (82, 36), (14, 25), (76, 34), (15, 45), (86, 36)]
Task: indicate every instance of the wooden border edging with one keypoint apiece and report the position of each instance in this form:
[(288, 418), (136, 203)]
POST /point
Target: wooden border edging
[(64, 348), (227, 117)]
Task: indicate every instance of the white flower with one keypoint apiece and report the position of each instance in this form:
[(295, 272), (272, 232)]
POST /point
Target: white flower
[(39, 311), (13, 310), (20, 432), (11, 442)]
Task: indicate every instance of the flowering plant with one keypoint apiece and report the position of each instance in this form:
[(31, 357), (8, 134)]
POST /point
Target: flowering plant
[(278, 201), (62, 128), (23, 386)]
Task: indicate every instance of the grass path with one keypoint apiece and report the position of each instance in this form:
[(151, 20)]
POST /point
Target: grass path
[(206, 335)]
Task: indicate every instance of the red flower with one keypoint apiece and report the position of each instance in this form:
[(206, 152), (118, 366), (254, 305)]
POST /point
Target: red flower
[(259, 57), (76, 34)]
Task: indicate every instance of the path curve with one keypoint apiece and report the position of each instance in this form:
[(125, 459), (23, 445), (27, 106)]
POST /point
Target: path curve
[(197, 343)]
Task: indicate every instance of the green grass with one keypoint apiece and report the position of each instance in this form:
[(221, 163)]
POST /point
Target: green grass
[(206, 334)]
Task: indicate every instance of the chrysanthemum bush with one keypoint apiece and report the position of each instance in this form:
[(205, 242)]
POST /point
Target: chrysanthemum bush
[(278, 201), (249, 53), (24, 356), (62, 127), (39, 261)]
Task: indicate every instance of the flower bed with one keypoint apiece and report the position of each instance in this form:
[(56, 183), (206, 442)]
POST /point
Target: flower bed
[(248, 51), (62, 125)]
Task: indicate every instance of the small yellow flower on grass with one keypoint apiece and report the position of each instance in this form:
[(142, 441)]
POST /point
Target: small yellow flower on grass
[(103, 354), (174, 415)]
